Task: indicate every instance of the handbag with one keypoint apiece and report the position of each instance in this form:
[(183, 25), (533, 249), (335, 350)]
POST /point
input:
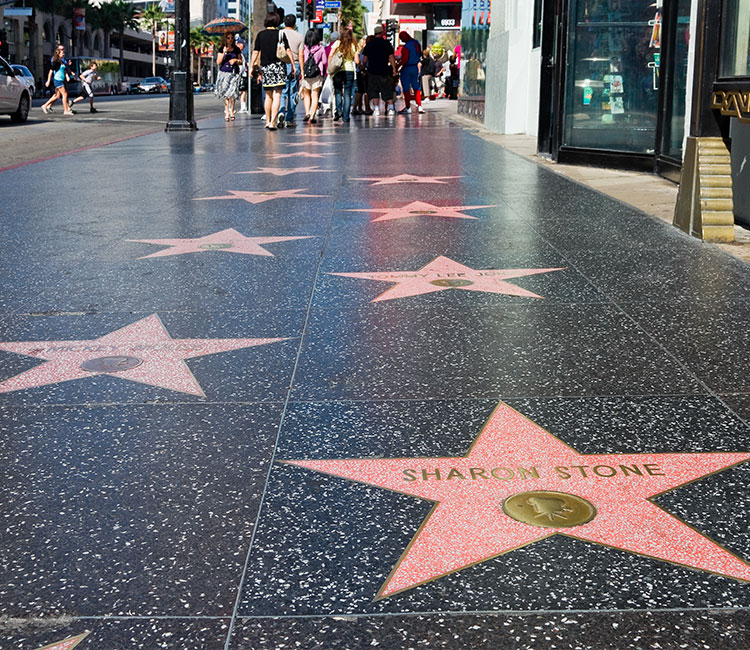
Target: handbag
[(281, 54), (335, 63)]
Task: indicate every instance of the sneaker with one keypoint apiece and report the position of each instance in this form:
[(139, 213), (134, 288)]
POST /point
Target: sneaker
[(69, 112), (243, 108), (420, 109), (392, 111), (291, 124), (45, 109), (93, 110), (376, 112), (404, 111), (280, 120)]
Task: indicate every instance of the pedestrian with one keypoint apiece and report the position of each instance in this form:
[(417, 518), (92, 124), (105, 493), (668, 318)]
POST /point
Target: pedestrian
[(344, 55), (361, 100), (313, 73), (272, 68), (229, 60), (59, 75), (380, 62), (411, 52), (242, 44), (426, 74), (453, 78), (290, 94), (87, 78)]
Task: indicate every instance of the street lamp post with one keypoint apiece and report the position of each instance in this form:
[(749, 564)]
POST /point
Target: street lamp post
[(181, 93)]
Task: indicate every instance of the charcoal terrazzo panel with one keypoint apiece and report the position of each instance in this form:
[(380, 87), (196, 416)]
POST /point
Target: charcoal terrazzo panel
[(113, 634), (252, 373), (575, 631), (340, 539), (421, 347), (130, 510)]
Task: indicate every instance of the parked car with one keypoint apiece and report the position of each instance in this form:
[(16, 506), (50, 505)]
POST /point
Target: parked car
[(15, 99), (24, 75), (153, 85)]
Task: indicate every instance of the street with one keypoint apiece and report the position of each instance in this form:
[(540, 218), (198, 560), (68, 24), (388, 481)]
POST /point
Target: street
[(119, 117)]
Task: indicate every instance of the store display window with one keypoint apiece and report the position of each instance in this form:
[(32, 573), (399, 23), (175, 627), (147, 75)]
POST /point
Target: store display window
[(735, 54), (612, 75)]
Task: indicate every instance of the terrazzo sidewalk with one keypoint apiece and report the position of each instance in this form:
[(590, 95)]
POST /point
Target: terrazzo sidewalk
[(379, 385)]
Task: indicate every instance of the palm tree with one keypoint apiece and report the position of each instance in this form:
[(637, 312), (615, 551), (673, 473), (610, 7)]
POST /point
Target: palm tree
[(121, 16), (197, 40), (152, 18)]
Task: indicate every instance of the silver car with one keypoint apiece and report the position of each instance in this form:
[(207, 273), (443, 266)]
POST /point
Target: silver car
[(15, 98), (24, 75)]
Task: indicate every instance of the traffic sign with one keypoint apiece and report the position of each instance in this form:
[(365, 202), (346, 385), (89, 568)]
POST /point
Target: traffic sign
[(332, 4), (331, 18)]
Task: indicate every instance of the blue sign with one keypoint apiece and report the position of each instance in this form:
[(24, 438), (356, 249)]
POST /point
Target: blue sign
[(332, 4)]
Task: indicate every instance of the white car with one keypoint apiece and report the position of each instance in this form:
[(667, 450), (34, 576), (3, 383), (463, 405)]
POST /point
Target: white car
[(24, 74), (15, 99)]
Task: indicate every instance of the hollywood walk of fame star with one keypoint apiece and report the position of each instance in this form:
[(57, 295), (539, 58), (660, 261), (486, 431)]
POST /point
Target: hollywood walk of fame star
[(66, 644), (420, 208), (298, 154), (313, 143), (262, 197), (406, 178), (143, 352), (444, 273), (282, 171), (224, 241), (520, 484)]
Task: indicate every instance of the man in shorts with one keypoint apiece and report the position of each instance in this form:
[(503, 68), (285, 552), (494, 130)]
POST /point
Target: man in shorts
[(87, 78), (380, 62)]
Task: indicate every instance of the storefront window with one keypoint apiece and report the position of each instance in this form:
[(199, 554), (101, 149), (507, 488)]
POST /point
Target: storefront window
[(612, 75), (674, 128), (475, 30), (735, 59)]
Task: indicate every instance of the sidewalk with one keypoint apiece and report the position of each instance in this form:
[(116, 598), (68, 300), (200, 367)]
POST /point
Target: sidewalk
[(385, 385), (650, 193)]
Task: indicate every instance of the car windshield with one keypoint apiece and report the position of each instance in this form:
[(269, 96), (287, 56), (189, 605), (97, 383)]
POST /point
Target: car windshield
[(24, 71), (151, 80)]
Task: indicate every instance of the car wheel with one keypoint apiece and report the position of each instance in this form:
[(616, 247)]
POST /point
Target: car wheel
[(22, 113)]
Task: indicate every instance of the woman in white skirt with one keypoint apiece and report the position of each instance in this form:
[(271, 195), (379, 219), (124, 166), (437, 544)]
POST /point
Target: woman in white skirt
[(228, 80), (314, 73)]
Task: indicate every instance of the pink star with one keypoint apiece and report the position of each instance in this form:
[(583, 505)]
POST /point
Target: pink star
[(66, 644), (225, 241), (277, 171), (519, 484), (299, 154), (421, 208), (405, 178), (444, 273), (314, 143), (143, 352), (262, 197)]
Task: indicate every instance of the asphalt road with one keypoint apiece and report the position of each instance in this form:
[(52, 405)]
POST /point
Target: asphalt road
[(119, 117)]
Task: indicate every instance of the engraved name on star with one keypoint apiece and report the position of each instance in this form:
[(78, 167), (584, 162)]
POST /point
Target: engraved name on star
[(224, 241), (262, 197), (143, 352), (519, 484), (444, 273), (298, 154), (406, 178), (279, 171), (420, 208)]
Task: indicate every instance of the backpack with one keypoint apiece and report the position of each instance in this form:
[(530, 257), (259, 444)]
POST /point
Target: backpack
[(311, 69)]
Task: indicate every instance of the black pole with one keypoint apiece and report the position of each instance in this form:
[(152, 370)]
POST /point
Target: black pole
[(181, 93)]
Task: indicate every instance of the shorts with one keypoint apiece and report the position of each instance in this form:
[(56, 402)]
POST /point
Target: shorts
[(361, 82), (312, 84), (59, 84), (380, 85), (410, 78), (86, 90)]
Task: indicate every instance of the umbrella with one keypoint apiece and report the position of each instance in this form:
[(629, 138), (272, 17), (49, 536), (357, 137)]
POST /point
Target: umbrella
[(221, 25)]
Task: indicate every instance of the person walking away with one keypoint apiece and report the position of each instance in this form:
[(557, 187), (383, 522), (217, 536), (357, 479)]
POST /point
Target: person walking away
[(411, 52), (244, 85), (58, 75), (290, 94), (87, 78), (426, 73), (229, 60), (344, 54), (314, 64), (272, 69), (453, 78), (361, 100), (380, 62)]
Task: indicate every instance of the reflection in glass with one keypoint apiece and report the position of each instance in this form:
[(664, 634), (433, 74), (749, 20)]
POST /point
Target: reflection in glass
[(674, 128), (735, 59), (612, 75)]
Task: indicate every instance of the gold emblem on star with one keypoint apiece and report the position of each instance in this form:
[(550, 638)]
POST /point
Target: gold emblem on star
[(549, 509)]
